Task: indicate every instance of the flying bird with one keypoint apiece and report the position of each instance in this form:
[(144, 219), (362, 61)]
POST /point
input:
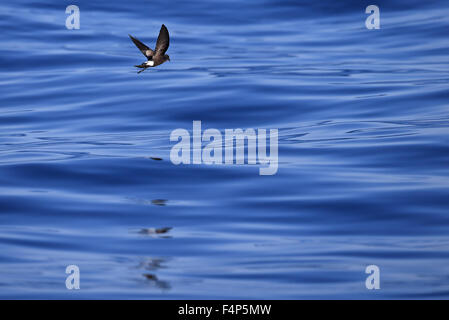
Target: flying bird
[(158, 56)]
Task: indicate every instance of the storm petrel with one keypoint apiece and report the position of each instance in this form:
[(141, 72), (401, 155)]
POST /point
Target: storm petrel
[(157, 56)]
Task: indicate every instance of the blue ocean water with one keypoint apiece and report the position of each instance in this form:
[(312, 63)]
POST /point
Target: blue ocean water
[(363, 120)]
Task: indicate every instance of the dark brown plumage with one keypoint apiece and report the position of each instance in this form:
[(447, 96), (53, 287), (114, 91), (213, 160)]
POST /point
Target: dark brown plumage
[(157, 56)]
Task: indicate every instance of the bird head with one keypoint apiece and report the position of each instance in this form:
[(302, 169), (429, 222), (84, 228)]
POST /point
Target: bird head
[(166, 57)]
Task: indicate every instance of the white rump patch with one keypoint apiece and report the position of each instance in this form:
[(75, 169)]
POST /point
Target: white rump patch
[(150, 63)]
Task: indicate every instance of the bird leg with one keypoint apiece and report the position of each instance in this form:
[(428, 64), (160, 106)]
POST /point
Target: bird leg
[(143, 69)]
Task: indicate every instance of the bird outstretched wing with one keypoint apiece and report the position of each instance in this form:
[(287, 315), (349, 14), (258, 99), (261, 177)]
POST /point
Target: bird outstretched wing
[(147, 52), (163, 41)]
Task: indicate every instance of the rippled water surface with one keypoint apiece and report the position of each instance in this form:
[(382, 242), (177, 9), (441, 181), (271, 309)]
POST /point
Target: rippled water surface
[(363, 119)]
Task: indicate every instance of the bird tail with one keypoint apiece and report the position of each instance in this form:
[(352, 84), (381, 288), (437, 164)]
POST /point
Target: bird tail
[(140, 65)]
